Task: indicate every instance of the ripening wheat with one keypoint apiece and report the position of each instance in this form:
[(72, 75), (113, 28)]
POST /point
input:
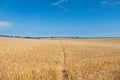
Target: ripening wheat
[(59, 59)]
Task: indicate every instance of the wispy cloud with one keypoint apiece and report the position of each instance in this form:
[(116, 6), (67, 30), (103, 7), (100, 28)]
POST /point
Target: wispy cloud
[(117, 3), (111, 3), (105, 2), (59, 2), (5, 24)]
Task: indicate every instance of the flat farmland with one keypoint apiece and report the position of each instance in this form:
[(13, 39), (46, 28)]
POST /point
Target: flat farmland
[(59, 59)]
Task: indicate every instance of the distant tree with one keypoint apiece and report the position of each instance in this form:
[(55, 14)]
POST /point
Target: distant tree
[(51, 37)]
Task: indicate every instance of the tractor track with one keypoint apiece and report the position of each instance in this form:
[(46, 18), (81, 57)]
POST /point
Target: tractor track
[(64, 70)]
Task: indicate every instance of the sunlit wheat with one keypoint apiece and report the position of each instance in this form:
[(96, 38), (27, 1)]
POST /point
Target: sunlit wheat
[(47, 59)]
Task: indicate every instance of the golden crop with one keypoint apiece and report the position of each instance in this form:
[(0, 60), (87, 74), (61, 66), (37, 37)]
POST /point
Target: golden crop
[(59, 59)]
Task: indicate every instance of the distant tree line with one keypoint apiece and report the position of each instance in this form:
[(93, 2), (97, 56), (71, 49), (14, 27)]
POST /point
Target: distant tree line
[(34, 37), (27, 37)]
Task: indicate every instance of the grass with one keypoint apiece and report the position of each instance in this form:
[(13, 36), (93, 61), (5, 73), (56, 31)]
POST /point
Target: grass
[(59, 59)]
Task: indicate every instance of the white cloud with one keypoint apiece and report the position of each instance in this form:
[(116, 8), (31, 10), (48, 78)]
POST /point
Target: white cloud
[(112, 3), (59, 2), (117, 3), (104, 2), (5, 24)]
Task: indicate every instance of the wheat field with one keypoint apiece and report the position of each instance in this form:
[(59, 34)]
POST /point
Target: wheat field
[(59, 59)]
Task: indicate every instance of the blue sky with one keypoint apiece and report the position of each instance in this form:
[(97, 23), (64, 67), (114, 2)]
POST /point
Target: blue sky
[(84, 18)]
